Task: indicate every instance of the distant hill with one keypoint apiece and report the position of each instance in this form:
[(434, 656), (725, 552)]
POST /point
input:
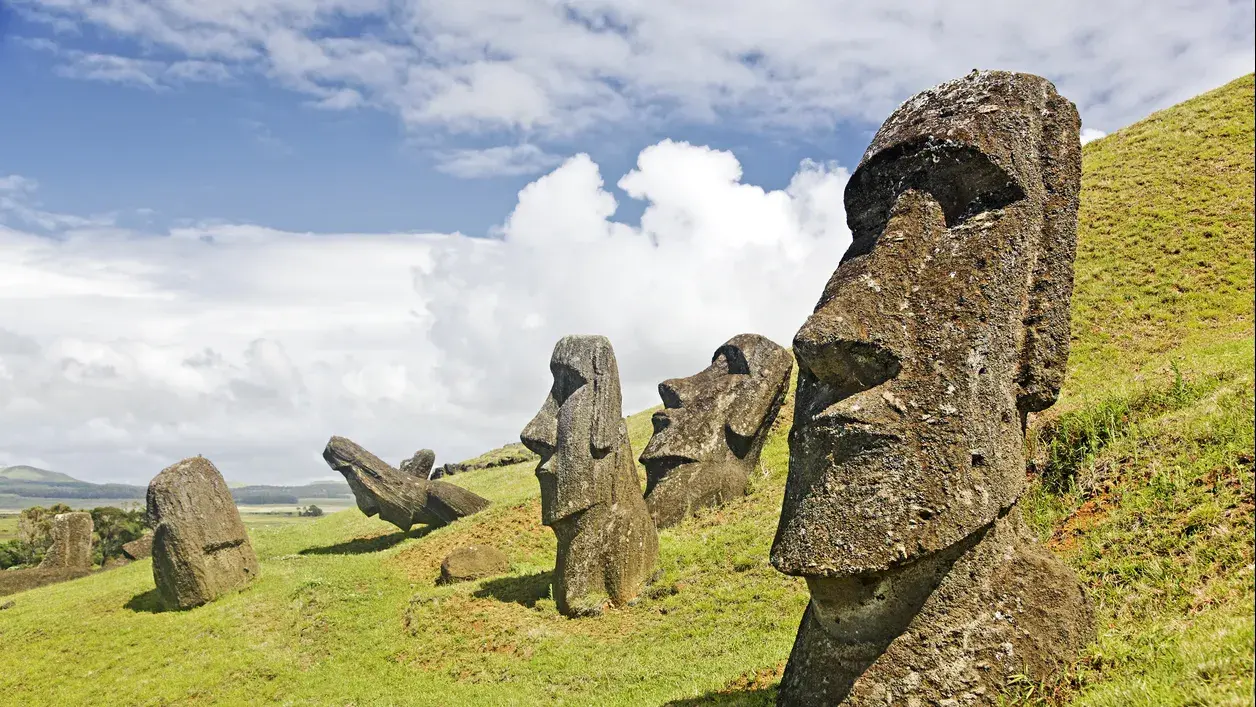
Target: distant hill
[(30, 473), (31, 482)]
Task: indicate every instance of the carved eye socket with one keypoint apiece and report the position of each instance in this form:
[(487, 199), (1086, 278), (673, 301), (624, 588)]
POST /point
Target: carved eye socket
[(732, 360), (567, 381), (964, 181)]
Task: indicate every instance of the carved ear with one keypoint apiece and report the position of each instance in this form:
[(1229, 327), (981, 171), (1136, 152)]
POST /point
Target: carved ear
[(607, 400), (1044, 354), (745, 415)]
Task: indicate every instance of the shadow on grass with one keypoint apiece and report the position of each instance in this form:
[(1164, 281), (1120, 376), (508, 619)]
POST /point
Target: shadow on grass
[(146, 602), (526, 590), (750, 697), (360, 546)]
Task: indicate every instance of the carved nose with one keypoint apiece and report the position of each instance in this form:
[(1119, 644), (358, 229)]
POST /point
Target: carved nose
[(841, 356), (672, 392), (538, 437)]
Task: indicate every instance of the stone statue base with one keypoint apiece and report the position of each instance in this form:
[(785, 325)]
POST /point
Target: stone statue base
[(954, 626)]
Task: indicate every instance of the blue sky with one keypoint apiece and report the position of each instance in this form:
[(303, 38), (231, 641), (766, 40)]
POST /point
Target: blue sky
[(248, 151), (236, 228)]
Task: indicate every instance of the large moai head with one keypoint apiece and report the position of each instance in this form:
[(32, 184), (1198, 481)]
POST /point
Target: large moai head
[(200, 546), (944, 325), (708, 437), (578, 429)]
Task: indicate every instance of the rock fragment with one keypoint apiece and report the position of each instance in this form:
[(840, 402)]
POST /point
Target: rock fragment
[(473, 562)]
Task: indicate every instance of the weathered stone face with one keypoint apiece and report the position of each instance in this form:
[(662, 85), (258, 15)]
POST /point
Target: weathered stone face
[(400, 499), (200, 547), (945, 324), (71, 542), (708, 437), (419, 465), (946, 321), (590, 493)]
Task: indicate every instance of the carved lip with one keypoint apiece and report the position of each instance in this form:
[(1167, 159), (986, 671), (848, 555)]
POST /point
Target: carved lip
[(659, 466)]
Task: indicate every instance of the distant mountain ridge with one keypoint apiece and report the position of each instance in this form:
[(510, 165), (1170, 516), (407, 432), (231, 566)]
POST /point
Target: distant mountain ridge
[(25, 481)]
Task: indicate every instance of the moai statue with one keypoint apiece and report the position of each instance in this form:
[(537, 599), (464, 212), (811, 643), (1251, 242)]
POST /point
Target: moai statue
[(590, 493), (400, 498), (419, 465), (200, 547), (708, 437), (71, 542), (945, 324)]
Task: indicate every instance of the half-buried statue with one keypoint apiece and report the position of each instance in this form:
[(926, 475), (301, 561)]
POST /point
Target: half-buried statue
[(708, 437), (590, 493), (200, 547), (944, 326)]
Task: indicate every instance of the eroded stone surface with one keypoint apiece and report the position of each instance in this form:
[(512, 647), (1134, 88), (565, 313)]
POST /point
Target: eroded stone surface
[(945, 324), (590, 493), (200, 547), (139, 548), (708, 437), (419, 465), (400, 499), (71, 542), (473, 562)]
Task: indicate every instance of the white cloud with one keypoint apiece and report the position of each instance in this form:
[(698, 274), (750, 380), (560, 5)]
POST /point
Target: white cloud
[(500, 161), (557, 68), (121, 352), (144, 73), (1091, 134)]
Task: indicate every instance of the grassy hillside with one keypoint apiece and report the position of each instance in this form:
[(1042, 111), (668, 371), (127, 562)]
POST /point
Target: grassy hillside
[(1142, 482)]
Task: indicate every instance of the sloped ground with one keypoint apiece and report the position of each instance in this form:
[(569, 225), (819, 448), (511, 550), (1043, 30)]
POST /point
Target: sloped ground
[(1143, 481)]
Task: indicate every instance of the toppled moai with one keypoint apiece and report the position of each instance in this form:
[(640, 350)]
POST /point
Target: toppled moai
[(590, 493), (71, 542), (944, 326), (400, 499), (419, 465), (200, 547), (708, 437)]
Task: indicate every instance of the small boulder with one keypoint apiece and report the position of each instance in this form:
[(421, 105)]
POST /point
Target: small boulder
[(200, 547), (473, 562), (140, 548), (71, 542)]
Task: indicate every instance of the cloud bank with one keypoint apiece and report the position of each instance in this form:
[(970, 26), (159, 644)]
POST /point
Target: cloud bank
[(554, 70), (123, 351)]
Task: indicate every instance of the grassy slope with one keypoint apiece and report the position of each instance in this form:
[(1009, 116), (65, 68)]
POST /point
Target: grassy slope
[(1158, 524)]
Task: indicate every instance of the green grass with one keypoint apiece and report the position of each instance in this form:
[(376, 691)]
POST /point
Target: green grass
[(1143, 483)]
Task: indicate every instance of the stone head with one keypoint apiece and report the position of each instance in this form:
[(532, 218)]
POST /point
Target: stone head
[(722, 414), (944, 325), (578, 427)]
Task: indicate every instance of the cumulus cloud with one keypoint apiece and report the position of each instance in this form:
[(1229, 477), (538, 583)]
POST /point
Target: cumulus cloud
[(122, 351), (557, 68), (500, 161)]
